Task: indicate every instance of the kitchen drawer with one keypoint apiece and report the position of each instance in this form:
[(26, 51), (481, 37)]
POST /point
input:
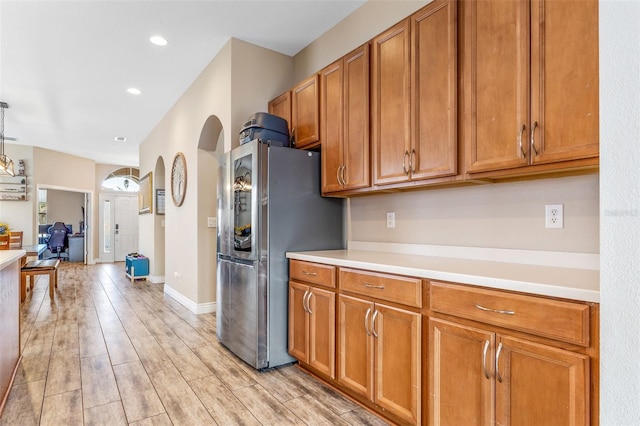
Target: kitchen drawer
[(315, 273), (555, 319), (393, 288)]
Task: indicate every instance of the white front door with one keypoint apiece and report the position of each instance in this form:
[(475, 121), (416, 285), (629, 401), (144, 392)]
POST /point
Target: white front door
[(125, 226)]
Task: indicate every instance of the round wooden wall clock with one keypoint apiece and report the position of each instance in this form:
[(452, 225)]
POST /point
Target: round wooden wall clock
[(178, 179)]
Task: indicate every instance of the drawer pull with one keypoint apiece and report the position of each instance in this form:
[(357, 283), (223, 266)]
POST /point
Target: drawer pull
[(312, 274), (366, 322), (497, 361), (495, 311), (484, 359), (374, 286)]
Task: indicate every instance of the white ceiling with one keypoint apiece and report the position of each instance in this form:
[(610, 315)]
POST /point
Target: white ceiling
[(65, 65)]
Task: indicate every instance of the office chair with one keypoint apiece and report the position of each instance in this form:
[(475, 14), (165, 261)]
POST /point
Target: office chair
[(58, 241)]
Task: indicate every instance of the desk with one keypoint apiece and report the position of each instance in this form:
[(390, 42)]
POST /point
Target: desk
[(76, 248), (35, 249)]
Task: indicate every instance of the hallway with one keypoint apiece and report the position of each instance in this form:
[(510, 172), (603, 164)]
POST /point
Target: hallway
[(109, 352)]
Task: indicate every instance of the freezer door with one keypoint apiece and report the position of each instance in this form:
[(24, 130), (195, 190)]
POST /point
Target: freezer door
[(246, 171), (225, 206), (241, 316)]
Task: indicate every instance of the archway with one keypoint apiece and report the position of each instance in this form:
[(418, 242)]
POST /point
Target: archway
[(158, 275), (210, 147)]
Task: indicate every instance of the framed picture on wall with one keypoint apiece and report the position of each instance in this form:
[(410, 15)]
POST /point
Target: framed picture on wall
[(159, 201), (145, 195)]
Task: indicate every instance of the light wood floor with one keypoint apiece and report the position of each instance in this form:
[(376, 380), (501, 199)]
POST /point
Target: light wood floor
[(109, 352)]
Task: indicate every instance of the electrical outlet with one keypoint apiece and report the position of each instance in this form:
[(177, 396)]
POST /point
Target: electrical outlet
[(211, 222), (391, 219), (554, 216)]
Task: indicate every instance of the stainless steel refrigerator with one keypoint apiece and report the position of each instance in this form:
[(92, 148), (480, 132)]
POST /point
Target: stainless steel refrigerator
[(268, 203)]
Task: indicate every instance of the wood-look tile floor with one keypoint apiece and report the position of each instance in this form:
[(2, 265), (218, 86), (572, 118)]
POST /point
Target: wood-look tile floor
[(109, 352)]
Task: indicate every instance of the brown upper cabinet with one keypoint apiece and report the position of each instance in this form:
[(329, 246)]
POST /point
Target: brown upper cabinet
[(530, 84), (305, 113), (414, 97), (281, 106), (344, 118)]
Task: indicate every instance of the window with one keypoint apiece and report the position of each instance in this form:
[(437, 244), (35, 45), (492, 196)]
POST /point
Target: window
[(125, 179)]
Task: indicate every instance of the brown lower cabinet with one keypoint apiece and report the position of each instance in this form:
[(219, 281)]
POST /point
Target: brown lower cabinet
[(379, 356), (477, 377), (460, 355), (312, 327)]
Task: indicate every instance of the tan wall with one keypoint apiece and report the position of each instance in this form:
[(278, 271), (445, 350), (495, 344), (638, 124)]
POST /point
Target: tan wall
[(362, 25), (505, 215), (65, 206), (231, 96)]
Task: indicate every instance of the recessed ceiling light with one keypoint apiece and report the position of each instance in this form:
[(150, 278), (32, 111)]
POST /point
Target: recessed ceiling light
[(134, 91), (158, 40), (119, 139)]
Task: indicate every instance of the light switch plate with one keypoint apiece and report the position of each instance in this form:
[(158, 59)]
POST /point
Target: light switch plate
[(212, 222)]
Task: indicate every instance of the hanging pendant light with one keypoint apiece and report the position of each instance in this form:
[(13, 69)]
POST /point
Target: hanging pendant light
[(6, 164)]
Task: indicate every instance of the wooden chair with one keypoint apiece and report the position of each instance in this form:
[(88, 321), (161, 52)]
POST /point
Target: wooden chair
[(4, 242), (15, 239), (39, 267)]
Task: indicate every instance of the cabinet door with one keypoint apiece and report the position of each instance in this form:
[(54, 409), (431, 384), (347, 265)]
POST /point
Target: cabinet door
[(397, 358), (460, 375), (355, 346), (322, 326), (538, 384), (356, 173), (281, 106), (434, 82), (305, 116), (496, 84), (564, 80), (298, 322), (391, 104), (331, 113)]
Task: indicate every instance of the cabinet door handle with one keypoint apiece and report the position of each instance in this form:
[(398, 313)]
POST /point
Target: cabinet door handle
[(373, 324), (311, 274), (366, 322), (495, 311), (484, 359), (309, 300), (404, 163), (344, 180), (373, 286), (497, 363), (524, 154), (304, 301), (412, 165), (533, 138), (338, 175)]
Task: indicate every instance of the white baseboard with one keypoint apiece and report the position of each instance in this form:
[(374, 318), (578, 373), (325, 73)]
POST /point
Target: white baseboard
[(156, 279), (196, 308)]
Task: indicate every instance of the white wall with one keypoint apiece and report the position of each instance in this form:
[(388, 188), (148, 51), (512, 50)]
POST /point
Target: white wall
[(620, 208)]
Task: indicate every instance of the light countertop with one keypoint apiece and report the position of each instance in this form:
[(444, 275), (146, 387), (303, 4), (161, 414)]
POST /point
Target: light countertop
[(9, 256), (569, 283)]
